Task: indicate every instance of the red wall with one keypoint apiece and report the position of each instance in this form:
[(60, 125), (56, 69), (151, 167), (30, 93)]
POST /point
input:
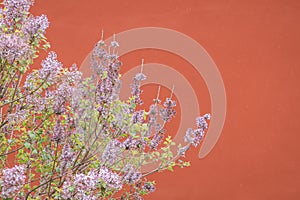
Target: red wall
[(254, 43)]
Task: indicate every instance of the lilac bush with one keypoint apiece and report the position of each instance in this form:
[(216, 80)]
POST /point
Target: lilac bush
[(65, 137)]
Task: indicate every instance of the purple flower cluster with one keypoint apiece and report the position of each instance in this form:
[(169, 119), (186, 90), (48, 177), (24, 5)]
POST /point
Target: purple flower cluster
[(34, 26), (140, 77), (19, 115), (13, 47), (153, 112), (148, 187), (99, 52), (136, 88), (194, 136), (36, 102), (106, 65), (104, 90), (156, 140), (138, 117), (50, 68), (58, 131), (107, 90), (67, 190), (82, 187), (201, 121), (112, 151), (12, 181), (67, 154), (114, 44), (85, 184), (131, 176), (168, 112), (52, 73), (136, 196), (73, 75), (64, 91), (66, 157), (62, 95), (111, 179), (16, 9), (130, 143)]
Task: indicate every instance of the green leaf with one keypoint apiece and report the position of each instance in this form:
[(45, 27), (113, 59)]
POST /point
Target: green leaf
[(18, 25), (27, 145), (31, 135), (170, 168), (187, 164), (34, 151)]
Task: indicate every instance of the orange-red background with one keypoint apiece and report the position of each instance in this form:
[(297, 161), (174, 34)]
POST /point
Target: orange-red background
[(254, 43)]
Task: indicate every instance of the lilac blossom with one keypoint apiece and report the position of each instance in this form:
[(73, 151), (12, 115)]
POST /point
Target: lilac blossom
[(62, 95), (131, 176), (58, 131), (168, 112), (67, 154), (113, 70), (141, 143), (16, 9), (114, 43), (36, 102), (148, 187), (112, 151), (2, 23), (169, 103), (99, 51), (137, 117), (207, 116), (29, 82), (104, 91), (156, 140), (13, 47), (73, 75), (35, 25), (108, 87), (66, 189), (153, 111), (97, 66), (195, 136), (19, 116), (201, 122), (64, 91), (13, 180), (140, 77), (196, 140), (50, 68), (111, 179), (116, 90), (130, 143), (85, 183), (59, 105), (66, 157), (136, 91), (136, 196), (82, 187)]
